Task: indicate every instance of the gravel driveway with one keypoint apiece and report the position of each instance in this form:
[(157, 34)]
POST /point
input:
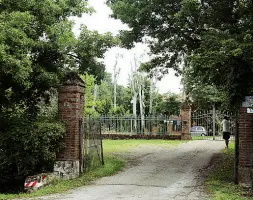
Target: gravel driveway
[(154, 173)]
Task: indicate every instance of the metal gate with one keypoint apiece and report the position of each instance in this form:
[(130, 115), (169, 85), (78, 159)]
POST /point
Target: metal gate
[(207, 124), (135, 125), (92, 143)]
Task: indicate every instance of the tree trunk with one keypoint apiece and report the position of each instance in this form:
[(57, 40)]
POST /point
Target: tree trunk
[(151, 97), (95, 96), (141, 108), (134, 111), (115, 92)]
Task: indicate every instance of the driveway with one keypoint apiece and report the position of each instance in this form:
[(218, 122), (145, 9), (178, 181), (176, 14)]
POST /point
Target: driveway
[(154, 173)]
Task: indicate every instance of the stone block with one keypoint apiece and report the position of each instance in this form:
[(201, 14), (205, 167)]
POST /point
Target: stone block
[(246, 176), (67, 169)]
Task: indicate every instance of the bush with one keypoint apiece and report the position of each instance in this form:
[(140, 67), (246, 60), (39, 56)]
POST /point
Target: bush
[(27, 148)]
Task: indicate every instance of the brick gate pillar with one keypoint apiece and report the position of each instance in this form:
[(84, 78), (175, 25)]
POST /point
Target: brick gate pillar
[(185, 114), (245, 130), (71, 107)]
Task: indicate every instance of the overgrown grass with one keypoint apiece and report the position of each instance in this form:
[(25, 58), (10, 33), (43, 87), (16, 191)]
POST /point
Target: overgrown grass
[(112, 165), (220, 179)]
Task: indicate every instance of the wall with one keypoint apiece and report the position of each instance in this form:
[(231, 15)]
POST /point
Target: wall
[(71, 106), (245, 147), (185, 114)]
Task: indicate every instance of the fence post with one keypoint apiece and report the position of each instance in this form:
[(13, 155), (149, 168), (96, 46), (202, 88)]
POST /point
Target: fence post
[(214, 118), (131, 127), (101, 142), (71, 104), (236, 162), (245, 133), (185, 113)]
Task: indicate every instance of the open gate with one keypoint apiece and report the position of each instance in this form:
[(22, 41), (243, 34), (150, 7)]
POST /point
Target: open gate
[(207, 124), (92, 143)]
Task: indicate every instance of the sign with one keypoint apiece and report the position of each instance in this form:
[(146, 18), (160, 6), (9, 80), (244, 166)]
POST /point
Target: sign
[(249, 110), (248, 102)]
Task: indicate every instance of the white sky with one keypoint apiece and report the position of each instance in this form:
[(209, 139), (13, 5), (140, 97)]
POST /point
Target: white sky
[(101, 22)]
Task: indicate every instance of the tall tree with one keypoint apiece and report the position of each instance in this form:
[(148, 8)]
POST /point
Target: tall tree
[(171, 104), (134, 90), (116, 72), (141, 87), (37, 46), (214, 36), (202, 95), (104, 103)]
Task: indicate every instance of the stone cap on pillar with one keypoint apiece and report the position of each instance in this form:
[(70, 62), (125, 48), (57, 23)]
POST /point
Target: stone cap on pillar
[(73, 79)]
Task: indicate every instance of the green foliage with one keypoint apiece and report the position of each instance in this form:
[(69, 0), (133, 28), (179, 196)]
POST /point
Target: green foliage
[(202, 95), (32, 36), (112, 165), (167, 104), (27, 147), (104, 106), (119, 111), (124, 98), (171, 104), (214, 36), (90, 48), (89, 81), (219, 180), (37, 46)]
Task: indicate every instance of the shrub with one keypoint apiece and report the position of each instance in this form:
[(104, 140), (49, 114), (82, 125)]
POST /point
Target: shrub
[(26, 148)]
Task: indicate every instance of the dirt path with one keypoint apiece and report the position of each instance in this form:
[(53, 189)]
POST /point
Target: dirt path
[(154, 173)]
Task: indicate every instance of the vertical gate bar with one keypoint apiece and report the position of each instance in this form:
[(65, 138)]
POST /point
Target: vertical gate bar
[(131, 124), (214, 122), (101, 142), (150, 125), (236, 162), (81, 146), (207, 129)]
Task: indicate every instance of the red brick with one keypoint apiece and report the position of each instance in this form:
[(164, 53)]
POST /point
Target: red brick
[(71, 105)]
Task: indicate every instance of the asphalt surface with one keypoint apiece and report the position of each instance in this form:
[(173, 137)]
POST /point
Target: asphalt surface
[(154, 173)]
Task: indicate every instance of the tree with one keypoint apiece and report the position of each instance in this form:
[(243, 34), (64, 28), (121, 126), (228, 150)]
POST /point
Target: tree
[(134, 91), (141, 85), (124, 98), (213, 37), (104, 103), (37, 47), (171, 104), (89, 51), (202, 95), (89, 81), (116, 72)]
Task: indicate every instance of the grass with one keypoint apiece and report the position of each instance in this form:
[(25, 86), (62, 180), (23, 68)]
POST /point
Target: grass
[(220, 179), (111, 146), (113, 164), (202, 137)]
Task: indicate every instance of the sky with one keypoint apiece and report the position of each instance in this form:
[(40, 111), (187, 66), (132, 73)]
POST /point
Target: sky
[(102, 22)]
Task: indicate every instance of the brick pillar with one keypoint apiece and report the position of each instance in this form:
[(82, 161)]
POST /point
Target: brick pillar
[(185, 114), (245, 147), (71, 106)]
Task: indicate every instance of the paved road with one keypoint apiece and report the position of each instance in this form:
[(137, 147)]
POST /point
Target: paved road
[(154, 173)]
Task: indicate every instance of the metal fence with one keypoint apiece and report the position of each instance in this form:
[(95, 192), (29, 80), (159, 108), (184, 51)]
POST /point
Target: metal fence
[(92, 128), (92, 143), (136, 125), (211, 122)]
